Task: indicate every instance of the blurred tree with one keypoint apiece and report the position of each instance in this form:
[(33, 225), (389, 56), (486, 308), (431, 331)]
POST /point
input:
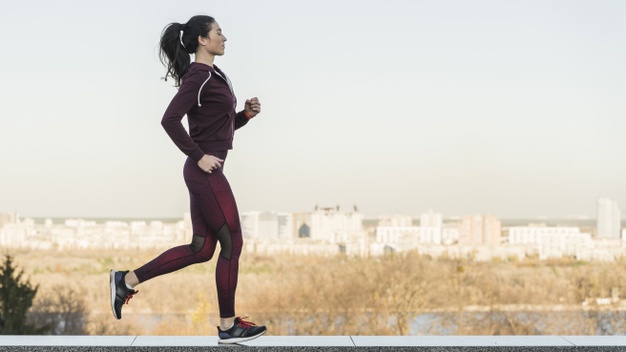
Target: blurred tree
[(61, 308), (16, 297)]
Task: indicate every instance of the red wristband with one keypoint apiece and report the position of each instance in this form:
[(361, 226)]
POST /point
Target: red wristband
[(247, 115)]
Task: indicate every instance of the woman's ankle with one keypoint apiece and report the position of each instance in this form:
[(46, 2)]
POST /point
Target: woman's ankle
[(227, 323), (131, 280)]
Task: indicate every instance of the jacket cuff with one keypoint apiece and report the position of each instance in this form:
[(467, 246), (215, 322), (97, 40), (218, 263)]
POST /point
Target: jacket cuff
[(196, 155)]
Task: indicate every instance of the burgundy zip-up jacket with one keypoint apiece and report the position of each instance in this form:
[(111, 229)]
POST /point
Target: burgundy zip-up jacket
[(206, 96)]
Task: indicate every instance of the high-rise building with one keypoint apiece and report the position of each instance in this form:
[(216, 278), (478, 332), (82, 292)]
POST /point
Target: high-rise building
[(250, 224), (267, 225), (608, 218), (285, 226), (431, 219), (492, 231), (6, 218), (480, 230), (331, 225)]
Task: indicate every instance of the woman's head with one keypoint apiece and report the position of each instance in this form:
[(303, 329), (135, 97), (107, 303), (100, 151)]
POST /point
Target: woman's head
[(213, 42), (200, 35)]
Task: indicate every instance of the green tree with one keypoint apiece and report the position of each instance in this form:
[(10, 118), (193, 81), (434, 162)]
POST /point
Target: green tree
[(16, 297)]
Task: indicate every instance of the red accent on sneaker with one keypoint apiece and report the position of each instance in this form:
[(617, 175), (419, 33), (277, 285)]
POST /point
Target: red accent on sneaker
[(245, 324), (130, 295)]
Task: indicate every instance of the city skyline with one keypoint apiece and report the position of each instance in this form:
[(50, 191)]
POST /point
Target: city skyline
[(414, 214), (608, 216), (511, 109), (331, 231)]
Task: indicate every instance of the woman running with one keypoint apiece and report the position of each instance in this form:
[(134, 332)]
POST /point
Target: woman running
[(206, 96)]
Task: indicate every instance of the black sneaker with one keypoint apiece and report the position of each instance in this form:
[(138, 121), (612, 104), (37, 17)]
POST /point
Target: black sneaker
[(120, 294), (241, 331)]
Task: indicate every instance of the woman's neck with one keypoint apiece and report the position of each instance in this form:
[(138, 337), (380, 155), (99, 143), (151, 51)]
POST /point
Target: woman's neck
[(204, 58)]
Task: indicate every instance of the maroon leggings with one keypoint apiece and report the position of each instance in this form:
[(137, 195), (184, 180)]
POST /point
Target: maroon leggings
[(214, 218)]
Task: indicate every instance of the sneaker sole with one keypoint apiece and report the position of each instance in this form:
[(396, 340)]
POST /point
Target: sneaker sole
[(113, 291), (236, 340)]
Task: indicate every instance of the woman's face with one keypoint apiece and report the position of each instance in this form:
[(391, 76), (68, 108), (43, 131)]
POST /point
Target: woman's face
[(214, 41)]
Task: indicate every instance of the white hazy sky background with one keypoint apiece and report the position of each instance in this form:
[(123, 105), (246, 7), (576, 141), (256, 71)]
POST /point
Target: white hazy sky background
[(515, 108)]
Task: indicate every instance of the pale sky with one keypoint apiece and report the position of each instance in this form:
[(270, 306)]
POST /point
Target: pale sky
[(514, 108)]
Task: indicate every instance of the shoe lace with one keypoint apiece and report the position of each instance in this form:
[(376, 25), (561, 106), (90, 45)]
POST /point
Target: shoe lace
[(244, 323), (129, 295)]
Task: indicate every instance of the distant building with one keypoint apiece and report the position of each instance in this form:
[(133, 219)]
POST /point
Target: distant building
[(397, 233), (304, 231), (608, 219), (406, 238), (326, 231), (395, 220), (267, 226), (332, 226), (88, 234), (249, 224), (480, 230), (302, 224), (15, 234), (8, 218), (431, 219), (449, 235), (552, 242)]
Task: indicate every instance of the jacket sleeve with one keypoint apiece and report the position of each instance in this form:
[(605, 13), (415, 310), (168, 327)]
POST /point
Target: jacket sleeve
[(180, 105), (241, 119)]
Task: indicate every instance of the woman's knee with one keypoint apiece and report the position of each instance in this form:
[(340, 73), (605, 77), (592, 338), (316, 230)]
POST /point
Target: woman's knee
[(231, 245), (201, 249)]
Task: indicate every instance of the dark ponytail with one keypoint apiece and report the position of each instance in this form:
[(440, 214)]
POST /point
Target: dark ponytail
[(176, 48)]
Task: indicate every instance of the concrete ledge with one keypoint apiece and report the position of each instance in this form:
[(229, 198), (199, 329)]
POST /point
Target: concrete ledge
[(317, 343)]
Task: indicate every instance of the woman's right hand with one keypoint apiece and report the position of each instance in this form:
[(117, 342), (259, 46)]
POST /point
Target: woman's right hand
[(208, 163)]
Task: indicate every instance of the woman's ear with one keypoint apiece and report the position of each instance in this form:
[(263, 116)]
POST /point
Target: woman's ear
[(202, 40)]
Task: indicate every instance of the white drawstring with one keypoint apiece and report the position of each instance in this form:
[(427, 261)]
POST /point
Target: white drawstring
[(200, 91), (181, 39)]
